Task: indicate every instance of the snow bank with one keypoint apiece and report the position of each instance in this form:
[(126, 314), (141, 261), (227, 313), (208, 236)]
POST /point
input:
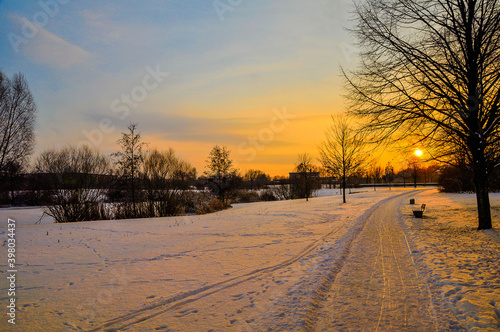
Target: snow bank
[(463, 263)]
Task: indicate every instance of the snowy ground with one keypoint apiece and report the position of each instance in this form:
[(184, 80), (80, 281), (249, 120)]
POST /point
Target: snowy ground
[(461, 264), (24, 215), (288, 265)]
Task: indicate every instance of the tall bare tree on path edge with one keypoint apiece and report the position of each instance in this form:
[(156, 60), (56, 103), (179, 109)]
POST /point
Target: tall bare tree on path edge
[(342, 152), (430, 69)]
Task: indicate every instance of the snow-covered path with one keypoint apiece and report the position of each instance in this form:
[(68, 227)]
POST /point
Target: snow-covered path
[(379, 288)]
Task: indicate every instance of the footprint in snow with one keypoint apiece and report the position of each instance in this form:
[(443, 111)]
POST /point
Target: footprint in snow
[(238, 297), (186, 312)]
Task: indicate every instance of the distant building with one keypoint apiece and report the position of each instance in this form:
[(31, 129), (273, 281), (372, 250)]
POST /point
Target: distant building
[(299, 175)]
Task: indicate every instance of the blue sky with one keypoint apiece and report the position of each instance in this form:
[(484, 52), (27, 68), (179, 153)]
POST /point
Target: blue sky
[(231, 64)]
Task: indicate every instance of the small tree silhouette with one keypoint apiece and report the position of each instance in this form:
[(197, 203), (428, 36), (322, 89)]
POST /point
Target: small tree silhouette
[(221, 173), (129, 161)]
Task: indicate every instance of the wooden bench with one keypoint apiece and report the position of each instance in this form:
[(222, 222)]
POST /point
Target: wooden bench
[(419, 213)]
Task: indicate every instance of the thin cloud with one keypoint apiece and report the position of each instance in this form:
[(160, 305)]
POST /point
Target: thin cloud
[(49, 49), (100, 27)]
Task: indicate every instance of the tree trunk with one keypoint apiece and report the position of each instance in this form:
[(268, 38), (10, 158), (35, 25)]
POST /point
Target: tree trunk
[(307, 187), (415, 176), (482, 196), (343, 188), (133, 197)]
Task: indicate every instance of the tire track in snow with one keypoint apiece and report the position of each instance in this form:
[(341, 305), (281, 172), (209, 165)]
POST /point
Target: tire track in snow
[(386, 287), (179, 300)]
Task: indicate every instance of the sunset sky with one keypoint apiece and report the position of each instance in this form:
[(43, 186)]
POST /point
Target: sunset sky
[(261, 77)]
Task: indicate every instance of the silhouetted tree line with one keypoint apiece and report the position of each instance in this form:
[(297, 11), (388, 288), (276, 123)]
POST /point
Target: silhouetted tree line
[(454, 179), (80, 183)]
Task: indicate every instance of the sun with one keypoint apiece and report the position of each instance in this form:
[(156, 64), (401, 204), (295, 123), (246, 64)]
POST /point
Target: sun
[(418, 153)]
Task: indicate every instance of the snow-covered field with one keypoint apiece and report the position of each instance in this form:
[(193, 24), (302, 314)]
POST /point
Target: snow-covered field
[(257, 267)]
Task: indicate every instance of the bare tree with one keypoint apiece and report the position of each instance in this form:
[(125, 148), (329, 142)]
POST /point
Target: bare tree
[(376, 173), (405, 174), (342, 152), (185, 175), (413, 166), (221, 173), (306, 179), (129, 161), (164, 174), (389, 174), (11, 178), (76, 183), (430, 69), (17, 122), (256, 179), (281, 188)]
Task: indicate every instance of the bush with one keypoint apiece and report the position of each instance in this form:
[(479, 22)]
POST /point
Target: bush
[(453, 180), (147, 209), (304, 187), (210, 206), (282, 191), (268, 195), (76, 183), (73, 212), (246, 196)]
